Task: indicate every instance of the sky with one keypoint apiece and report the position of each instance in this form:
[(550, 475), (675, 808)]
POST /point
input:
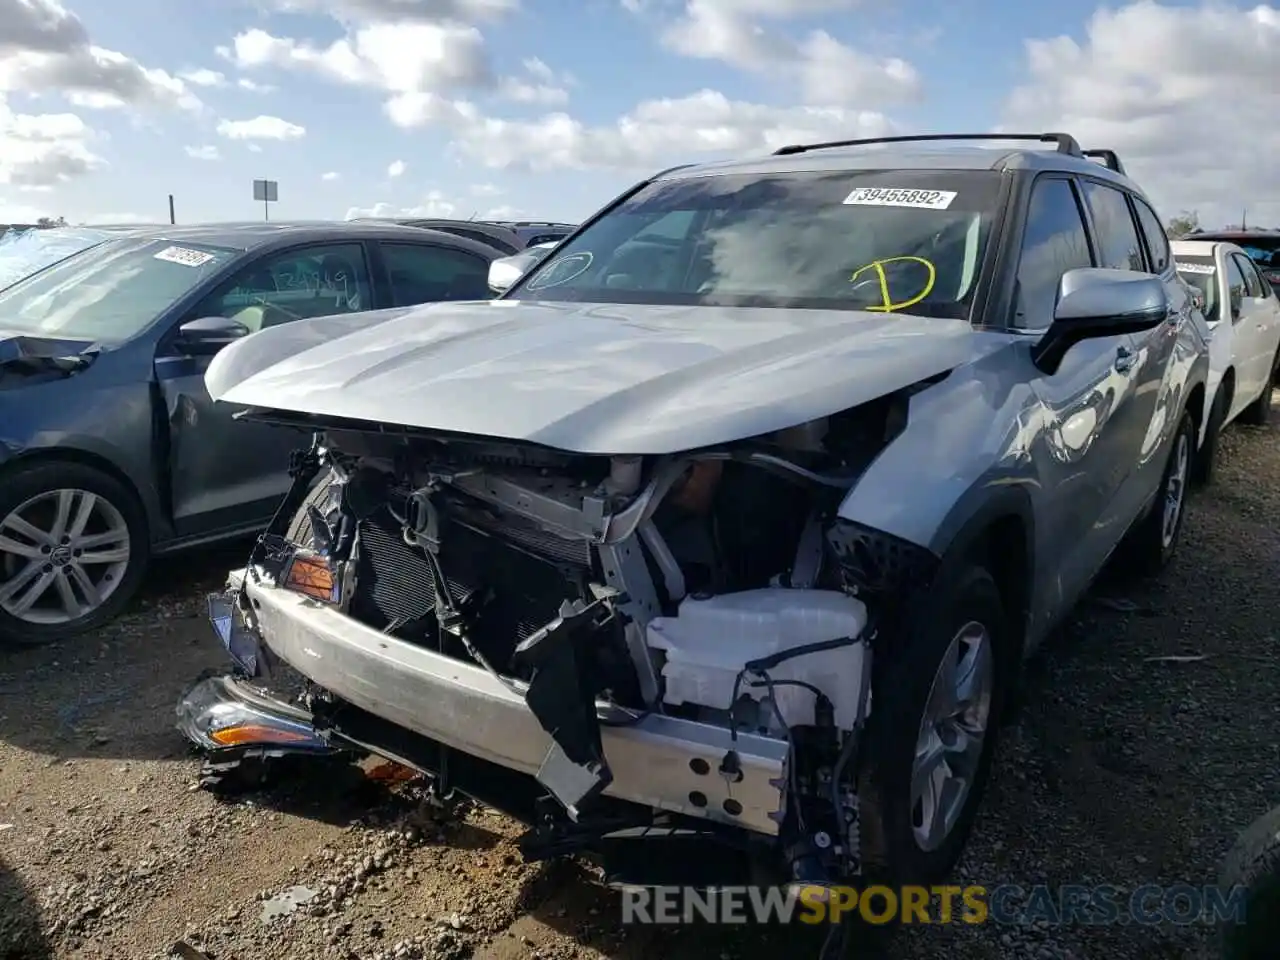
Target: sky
[(547, 109)]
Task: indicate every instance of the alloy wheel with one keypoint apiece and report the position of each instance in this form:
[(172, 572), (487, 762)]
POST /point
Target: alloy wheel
[(952, 735), (1175, 490), (63, 553)]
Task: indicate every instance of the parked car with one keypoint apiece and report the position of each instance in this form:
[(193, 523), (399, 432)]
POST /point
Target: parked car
[(731, 523), (1261, 246), (1252, 865), (536, 232), (1243, 314), (506, 271), (503, 239), (111, 450)]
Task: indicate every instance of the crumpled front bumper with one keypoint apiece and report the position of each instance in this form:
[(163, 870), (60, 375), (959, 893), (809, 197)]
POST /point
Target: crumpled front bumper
[(660, 762)]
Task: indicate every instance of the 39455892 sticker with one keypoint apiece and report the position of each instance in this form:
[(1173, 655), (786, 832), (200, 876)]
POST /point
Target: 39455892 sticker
[(901, 197), (185, 256), (1201, 269)]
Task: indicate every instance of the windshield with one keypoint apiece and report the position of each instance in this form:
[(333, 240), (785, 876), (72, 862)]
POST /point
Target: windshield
[(849, 240), (22, 254), (110, 292), (1202, 274)]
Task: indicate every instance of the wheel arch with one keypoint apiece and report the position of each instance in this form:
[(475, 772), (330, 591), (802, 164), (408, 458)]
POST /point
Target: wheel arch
[(87, 458)]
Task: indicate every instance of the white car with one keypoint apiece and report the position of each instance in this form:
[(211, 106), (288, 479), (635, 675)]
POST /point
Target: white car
[(1243, 313)]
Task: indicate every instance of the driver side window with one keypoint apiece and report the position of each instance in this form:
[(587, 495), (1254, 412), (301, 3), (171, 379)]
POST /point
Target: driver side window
[(296, 284), (1235, 288), (1053, 242)]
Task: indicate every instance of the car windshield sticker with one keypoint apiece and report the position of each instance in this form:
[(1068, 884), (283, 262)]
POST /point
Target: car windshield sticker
[(898, 197), (562, 271), (185, 256), (874, 273), (1204, 269)]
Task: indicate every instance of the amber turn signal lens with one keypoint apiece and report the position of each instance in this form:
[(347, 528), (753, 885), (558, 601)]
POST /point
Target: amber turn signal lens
[(312, 576), (253, 733)]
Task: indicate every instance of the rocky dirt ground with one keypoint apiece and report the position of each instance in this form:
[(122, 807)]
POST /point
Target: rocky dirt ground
[(1122, 769)]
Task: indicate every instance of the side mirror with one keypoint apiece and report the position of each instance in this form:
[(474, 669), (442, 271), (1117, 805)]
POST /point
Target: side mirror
[(208, 335), (505, 272), (1095, 302)]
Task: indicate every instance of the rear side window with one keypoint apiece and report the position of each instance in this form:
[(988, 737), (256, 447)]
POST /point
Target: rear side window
[(1054, 242), (1252, 282), (1235, 287), (1157, 239), (424, 274), (1118, 243)]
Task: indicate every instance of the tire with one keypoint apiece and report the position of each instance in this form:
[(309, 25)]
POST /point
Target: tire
[(34, 494), (1258, 413), (1253, 864), (1149, 546), (903, 680), (1204, 465)]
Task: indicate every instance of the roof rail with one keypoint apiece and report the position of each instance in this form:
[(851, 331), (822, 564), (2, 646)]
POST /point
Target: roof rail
[(1108, 158), (1064, 141)]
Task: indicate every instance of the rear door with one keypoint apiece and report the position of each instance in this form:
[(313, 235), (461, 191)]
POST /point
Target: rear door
[(1259, 325), (225, 473), (424, 273), (1094, 433)]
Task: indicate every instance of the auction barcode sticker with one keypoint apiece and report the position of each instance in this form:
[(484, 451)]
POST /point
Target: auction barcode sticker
[(899, 197), (185, 256), (1203, 269)]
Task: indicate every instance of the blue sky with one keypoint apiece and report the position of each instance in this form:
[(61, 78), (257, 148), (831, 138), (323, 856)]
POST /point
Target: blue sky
[(546, 108)]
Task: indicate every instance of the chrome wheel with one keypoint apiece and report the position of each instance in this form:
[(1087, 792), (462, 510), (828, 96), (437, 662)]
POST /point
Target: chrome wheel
[(1175, 490), (952, 733), (62, 555)]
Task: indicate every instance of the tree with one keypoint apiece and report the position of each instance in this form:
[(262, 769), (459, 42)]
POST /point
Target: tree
[(1188, 221), (44, 223)]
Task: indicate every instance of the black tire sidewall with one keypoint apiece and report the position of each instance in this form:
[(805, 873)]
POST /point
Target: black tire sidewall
[(1205, 460), (1254, 864), (902, 680), (1144, 549), (21, 484)]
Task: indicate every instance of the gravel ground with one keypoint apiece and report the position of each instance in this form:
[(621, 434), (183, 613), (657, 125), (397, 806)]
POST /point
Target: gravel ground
[(1120, 770)]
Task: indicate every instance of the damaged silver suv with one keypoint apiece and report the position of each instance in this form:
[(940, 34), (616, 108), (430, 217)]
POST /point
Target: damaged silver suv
[(727, 528)]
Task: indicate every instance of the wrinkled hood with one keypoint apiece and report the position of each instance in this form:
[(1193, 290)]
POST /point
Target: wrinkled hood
[(591, 378)]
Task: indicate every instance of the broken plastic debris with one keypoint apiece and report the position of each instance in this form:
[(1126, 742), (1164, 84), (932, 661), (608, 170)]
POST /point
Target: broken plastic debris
[(1118, 604), (390, 772), (286, 903), (1179, 658)]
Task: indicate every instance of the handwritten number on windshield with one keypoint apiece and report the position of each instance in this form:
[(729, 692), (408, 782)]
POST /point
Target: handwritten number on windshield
[(887, 304)]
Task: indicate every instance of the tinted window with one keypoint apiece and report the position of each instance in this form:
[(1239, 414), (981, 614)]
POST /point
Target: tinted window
[(1157, 239), (1054, 242), (1265, 252), (110, 292), (423, 274), (828, 240), (1118, 243), (1235, 286), (314, 281), (1252, 282), (487, 239)]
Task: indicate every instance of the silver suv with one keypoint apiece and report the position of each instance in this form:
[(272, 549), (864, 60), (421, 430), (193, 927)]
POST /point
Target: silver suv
[(731, 523)]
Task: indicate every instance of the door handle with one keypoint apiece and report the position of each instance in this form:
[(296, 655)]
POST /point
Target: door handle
[(1124, 360)]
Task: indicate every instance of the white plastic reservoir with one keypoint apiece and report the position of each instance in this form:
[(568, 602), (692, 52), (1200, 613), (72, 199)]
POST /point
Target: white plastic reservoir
[(710, 640)]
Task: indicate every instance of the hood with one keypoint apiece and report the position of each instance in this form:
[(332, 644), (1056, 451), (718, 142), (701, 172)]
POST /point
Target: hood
[(591, 378)]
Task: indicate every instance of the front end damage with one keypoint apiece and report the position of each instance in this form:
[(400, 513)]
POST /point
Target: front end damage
[(611, 649)]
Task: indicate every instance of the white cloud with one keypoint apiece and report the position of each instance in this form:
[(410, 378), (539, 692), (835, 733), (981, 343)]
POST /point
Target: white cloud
[(330, 176), (434, 204), (540, 85), (203, 153), (402, 11), (245, 83), (655, 131), (204, 77), (45, 47), (485, 190), (396, 168), (38, 151), (828, 72), (410, 62), (1185, 95), (261, 128)]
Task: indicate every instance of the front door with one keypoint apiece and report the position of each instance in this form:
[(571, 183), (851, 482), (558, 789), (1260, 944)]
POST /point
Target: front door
[(225, 473), (1093, 434)]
